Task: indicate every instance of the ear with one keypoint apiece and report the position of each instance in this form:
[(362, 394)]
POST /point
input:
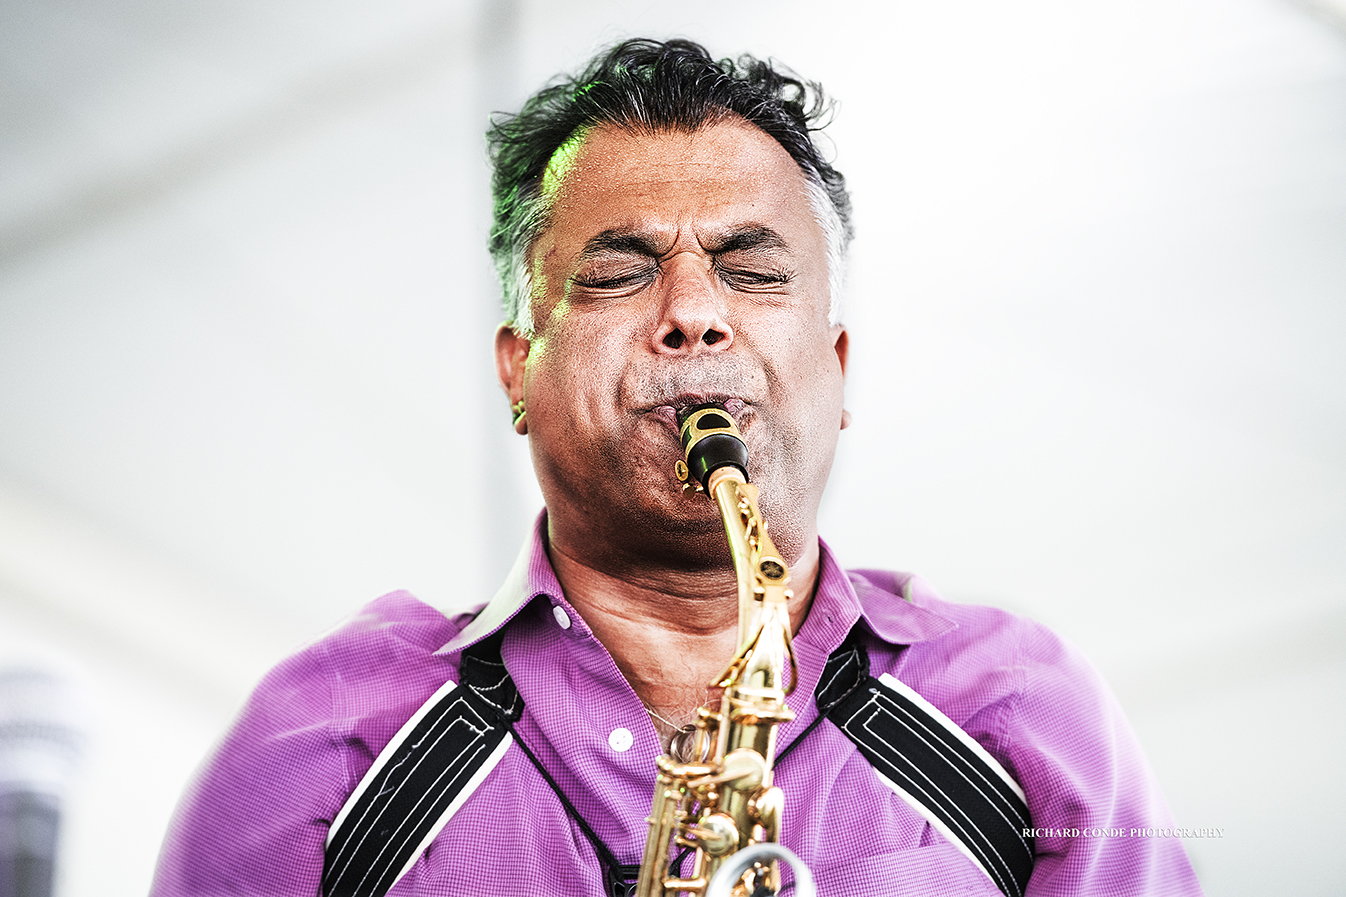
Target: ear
[(841, 344), (511, 361)]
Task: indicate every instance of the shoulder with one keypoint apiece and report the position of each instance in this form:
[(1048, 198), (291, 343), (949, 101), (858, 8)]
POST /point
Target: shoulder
[(1002, 676), (1035, 703), (300, 744), (376, 658), (962, 637), (361, 680), (387, 637)]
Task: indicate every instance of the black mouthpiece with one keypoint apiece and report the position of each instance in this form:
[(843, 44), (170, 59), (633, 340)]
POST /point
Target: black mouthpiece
[(711, 440)]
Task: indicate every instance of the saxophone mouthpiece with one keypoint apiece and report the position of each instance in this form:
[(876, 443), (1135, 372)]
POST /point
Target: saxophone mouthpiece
[(710, 440)]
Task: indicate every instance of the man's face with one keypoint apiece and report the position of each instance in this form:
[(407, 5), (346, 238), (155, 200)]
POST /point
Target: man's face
[(677, 269)]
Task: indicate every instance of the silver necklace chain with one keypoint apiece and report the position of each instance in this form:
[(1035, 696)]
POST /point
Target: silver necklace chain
[(663, 719), (684, 736)]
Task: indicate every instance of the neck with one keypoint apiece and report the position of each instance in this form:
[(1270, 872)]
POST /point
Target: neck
[(670, 632)]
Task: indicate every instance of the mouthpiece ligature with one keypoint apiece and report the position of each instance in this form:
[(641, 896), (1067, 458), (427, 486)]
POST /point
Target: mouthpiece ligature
[(710, 440)]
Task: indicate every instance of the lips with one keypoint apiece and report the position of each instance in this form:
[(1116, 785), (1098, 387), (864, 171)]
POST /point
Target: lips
[(668, 413)]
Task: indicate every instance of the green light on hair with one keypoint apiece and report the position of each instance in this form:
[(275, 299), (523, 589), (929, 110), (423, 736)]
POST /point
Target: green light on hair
[(562, 162)]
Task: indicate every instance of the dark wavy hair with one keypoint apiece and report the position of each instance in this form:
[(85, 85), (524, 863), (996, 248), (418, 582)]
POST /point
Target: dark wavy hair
[(653, 86)]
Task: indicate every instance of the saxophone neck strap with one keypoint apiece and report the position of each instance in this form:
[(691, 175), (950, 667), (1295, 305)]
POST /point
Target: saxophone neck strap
[(932, 764), (428, 770), (450, 745)]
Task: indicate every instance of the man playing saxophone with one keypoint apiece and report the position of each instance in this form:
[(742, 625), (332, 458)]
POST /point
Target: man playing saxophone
[(670, 240)]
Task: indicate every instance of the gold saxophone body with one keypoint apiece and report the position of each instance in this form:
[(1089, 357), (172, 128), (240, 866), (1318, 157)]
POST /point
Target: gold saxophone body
[(718, 799)]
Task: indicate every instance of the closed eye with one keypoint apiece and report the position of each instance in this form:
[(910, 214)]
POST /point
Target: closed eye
[(755, 277), (617, 275)]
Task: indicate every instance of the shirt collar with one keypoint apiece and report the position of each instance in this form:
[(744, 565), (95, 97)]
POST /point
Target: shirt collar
[(883, 601), (531, 575), (892, 605)]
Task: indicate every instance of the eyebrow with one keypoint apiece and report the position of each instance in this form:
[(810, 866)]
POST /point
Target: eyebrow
[(626, 242), (746, 238), (749, 237)]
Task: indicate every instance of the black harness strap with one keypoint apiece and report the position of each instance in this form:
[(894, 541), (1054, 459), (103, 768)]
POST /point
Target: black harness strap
[(427, 771), (414, 786), (933, 765)]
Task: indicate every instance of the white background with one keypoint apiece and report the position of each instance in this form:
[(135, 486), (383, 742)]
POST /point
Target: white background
[(1097, 300)]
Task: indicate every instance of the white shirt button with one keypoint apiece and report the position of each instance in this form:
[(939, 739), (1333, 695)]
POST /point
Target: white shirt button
[(562, 618), (621, 739)]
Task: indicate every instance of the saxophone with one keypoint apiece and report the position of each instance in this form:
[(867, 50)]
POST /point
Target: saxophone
[(717, 800)]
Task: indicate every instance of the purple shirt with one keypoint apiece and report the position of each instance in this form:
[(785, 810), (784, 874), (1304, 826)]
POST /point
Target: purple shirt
[(254, 820)]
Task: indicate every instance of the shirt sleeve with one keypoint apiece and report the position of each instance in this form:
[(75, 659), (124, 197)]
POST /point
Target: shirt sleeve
[(254, 820), (1094, 803)]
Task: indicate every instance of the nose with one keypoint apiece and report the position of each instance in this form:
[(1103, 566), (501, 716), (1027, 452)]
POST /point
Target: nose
[(694, 317)]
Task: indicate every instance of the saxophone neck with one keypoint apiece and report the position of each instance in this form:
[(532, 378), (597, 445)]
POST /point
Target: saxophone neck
[(765, 648), (717, 463)]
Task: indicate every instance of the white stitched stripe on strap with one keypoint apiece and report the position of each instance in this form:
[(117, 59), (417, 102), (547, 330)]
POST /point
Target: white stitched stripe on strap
[(458, 801), (384, 755), (954, 729)]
